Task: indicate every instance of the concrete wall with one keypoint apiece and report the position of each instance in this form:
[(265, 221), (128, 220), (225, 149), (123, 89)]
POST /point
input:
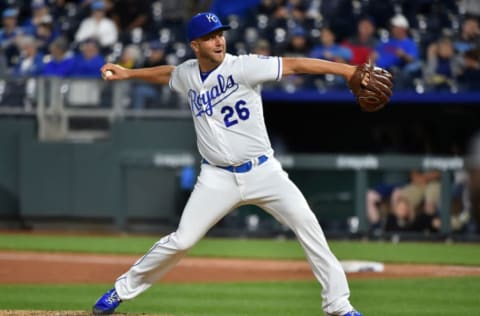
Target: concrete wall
[(83, 180)]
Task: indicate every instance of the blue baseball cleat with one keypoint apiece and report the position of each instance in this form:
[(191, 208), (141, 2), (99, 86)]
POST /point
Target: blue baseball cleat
[(352, 313), (107, 303)]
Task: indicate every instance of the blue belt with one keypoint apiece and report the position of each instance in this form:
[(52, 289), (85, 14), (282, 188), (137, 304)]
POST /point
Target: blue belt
[(244, 167)]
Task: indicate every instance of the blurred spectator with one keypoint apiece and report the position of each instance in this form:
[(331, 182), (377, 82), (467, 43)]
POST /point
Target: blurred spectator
[(399, 50), (402, 217), (376, 210), (129, 15), (432, 18), (89, 61), (329, 50), (298, 43), (442, 65), (98, 26), (62, 62), (130, 57), (144, 93), (469, 37), (39, 11), (339, 16), (399, 53), (31, 61), (469, 78), (272, 8), (379, 200), (83, 91), (288, 22), (155, 55), (363, 43), (280, 17), (297, 10), (8, 34), (417, 203), (68, 15), (262, 47), (379, 196), (59, 9), (45, 33)]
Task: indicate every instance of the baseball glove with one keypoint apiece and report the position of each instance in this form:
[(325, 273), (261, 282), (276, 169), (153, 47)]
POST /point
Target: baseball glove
[(372, 86)]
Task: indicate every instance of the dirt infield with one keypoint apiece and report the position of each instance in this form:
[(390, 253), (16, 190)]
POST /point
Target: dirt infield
[(42, 268)]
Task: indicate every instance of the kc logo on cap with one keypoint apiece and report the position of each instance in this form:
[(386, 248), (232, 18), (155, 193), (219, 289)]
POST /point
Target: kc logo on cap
[(203, 24), (212, 18)]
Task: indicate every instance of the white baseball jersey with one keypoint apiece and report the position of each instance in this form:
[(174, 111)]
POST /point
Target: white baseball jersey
[(227, 107)]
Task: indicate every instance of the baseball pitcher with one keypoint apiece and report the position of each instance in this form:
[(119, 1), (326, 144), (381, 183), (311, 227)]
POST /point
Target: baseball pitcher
[(238, 165)]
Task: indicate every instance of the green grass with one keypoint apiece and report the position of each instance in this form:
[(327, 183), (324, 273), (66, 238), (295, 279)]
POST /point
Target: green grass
[(449, 296), (440, 253), (406, 297)]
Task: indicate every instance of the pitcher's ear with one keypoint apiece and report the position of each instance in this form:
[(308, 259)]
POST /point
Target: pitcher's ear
[(194, 46)]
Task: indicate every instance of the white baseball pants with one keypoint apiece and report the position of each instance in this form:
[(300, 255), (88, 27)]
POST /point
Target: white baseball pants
[(216, 193)]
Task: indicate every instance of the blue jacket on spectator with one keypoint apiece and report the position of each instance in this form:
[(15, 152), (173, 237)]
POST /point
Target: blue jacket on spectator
[(24, 69), (89, 68), (387, 52), (331, 53), (328, 49), (63, 68), (4, 35)]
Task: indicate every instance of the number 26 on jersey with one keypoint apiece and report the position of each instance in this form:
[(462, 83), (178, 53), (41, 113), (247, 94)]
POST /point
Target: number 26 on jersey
[(232, 114)]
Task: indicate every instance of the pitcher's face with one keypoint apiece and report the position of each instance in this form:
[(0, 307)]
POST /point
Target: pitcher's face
[(210, 49)]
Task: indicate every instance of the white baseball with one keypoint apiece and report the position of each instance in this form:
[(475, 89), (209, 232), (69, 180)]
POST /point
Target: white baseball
[(108, 73)]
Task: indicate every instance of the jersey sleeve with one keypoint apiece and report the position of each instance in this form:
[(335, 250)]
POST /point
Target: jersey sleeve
[(259, 68), (175, 82)]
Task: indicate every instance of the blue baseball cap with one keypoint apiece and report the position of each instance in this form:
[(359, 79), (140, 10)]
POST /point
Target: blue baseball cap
[(156, 45), (9, 13), (97, 5), (38, 4), (203, 24)]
